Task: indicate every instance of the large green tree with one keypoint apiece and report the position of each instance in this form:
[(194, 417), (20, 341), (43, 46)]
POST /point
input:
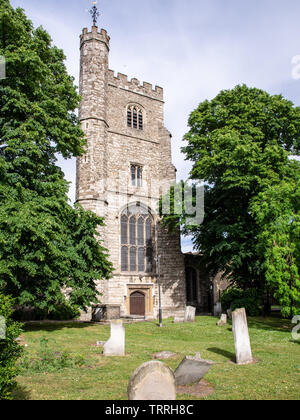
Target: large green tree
[(45, 244), (240, 144)]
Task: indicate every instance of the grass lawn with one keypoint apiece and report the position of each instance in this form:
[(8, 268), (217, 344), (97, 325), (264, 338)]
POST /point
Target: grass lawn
[(275, 376)]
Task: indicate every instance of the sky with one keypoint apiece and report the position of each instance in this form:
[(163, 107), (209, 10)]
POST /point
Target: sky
[(191, 48)]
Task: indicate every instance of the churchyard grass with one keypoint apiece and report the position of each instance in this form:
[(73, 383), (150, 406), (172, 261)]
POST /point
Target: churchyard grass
[(276, 375)]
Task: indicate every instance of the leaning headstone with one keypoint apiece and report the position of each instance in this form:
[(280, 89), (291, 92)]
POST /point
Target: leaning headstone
[(190, 313), (229, 313), (241, 337), (223, 320), (192, 370), (163, 355), (115, 346), (152, 381)]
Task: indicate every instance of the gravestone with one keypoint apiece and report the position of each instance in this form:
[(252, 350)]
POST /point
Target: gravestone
[(190, 313), (218, 309), (223, 320), (152, 381), (229, 313), (115, 346), (241, 337), (191, 370)]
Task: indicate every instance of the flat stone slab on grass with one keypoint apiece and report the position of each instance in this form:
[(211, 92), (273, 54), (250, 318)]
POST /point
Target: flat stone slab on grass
[(163, 355), (152, 381), (191, 370), (178, 320)]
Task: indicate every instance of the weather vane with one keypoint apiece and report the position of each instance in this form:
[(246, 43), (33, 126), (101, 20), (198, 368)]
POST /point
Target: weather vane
[(94, 12)]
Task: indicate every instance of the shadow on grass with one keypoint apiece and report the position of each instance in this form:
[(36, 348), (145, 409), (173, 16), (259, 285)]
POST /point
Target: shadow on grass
[(224, 353), (20, 393), (274, 323), (55, 326)]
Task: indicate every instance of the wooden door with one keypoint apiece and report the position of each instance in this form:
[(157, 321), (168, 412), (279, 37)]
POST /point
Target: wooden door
[(137, 304)]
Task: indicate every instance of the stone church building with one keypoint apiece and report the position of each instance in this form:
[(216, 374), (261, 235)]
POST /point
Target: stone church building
[(128, 165)]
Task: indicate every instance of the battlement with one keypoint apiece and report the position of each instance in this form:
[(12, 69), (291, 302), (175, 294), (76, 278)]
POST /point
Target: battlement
[(101, 36), (134, 85)]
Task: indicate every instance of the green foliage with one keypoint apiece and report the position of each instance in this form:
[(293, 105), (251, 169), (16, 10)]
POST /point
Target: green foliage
[(240, 144), (63, 312), (45, 244), (277, 213), (234, 298), (47, 360), (10, 350)]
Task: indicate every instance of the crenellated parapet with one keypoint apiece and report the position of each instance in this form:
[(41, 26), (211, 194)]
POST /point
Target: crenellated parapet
[(101, 36), (121, 81)]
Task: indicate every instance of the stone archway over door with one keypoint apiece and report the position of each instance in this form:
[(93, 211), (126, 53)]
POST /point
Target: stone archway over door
[(137, 304)]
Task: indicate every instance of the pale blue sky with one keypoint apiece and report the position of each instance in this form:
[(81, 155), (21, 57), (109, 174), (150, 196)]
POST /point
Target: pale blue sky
[(192, 48)]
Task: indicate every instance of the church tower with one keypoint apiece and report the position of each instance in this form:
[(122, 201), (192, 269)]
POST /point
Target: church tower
[(91, 168), (126, 168)]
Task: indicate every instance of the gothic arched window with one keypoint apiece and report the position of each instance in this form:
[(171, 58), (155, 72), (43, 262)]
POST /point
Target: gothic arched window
[(137, 230), (135, 117)]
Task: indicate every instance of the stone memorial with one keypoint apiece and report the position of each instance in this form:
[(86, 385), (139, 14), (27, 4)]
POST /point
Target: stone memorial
[(223, 320), (115, 346), (190, 313), (229, 313), (152, 381), (241, 337), (218, 309), (191, 370)]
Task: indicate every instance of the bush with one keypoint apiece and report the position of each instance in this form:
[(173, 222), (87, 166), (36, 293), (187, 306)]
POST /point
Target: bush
[(10, 350), (234, 298), (63, 312)]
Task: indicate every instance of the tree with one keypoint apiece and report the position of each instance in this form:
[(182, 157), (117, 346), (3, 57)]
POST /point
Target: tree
[(45, 244), (240, 144)]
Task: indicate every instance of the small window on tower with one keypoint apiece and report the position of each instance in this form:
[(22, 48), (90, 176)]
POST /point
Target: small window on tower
[(140, 120), (136, 176), (129, 117), (135, 117)]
